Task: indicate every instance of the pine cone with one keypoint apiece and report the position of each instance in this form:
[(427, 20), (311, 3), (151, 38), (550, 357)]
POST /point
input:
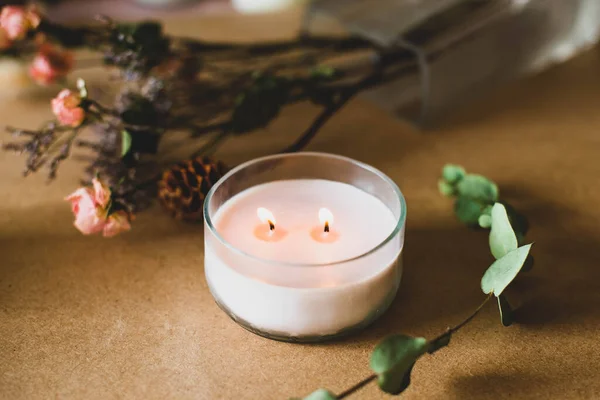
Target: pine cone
[(185, 185)]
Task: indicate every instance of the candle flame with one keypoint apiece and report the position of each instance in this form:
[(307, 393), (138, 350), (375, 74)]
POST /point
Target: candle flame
[(326, 218), (266, 217)]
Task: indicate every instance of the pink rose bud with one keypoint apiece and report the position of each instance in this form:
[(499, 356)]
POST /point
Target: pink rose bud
[(89, 217), (17, 21), (101, 193), (66, 108), (91, 206), (50, 64), (117, 222)]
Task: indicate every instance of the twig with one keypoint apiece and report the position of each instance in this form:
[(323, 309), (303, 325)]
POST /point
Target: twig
[(103, 109), (357, 387), (62, 155), (201, 130), (450, 331), (302, 41), (209, 147), (329, 111)]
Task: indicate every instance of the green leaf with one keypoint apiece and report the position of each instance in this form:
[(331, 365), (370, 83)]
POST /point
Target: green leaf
[(517, 220), (478, 187), (125, 142), (393, 359), (506, 312), (467, 210), (453, 173), (485, 221), (321, 394), (502, 237), (502, 272), (445, 188)]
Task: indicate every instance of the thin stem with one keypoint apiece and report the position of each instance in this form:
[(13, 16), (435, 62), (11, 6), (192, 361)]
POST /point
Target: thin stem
[(357, 387), (210, 146), (450, 331), (303, 41), (201, 130), (103, 109), (346, 94), (321, 120)]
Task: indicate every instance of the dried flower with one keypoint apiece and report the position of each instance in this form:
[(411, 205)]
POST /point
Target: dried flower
[(89, 218), (50, 64), (66, 107), (91, 207), (101, 192), (117, 222), (17, 21)]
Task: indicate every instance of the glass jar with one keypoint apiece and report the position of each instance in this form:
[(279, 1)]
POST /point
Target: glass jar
[(321, 296)]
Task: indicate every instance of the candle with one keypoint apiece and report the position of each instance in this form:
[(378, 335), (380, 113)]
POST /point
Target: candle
[(304, 255)]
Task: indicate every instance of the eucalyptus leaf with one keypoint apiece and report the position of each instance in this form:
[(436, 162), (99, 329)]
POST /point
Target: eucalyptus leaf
[(393, 359), (502, 237), (467, 210), (321, 394), (478, 187), (485, 221), (125, 142), (453, 173), (517, 220), (445, 188), (502, 272), (506, 312)]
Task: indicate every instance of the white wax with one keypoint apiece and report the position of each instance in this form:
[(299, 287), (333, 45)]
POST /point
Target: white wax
[(361, 221), (304, 300)]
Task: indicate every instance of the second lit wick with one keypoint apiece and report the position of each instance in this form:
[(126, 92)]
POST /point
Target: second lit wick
[(326, 217)]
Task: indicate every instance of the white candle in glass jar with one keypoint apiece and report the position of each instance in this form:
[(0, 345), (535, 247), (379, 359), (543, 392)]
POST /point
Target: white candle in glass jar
[(303, 258)]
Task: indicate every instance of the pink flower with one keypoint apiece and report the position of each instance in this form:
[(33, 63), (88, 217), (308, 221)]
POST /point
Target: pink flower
[(89, 217), (17, 21), (117, 222), (66, 108), (50, 64), (101, 192), (91, 210)]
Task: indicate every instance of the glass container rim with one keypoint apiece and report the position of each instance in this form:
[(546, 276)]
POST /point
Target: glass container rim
[(399, 224)]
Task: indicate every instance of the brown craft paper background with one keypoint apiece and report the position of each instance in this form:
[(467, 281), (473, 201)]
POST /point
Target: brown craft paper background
[(131, 317)]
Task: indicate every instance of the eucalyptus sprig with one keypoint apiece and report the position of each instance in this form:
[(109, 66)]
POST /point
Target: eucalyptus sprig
[(393, 359)]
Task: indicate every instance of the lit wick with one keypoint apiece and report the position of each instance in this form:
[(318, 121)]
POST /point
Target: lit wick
[(324, 233), (325, 216), (267, 217)]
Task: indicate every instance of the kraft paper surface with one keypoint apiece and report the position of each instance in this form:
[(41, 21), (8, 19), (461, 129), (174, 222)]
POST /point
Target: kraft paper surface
[(132, 317)]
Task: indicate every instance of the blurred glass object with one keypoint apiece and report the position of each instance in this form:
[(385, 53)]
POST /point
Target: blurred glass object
[(465, 46), (262, 6)]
